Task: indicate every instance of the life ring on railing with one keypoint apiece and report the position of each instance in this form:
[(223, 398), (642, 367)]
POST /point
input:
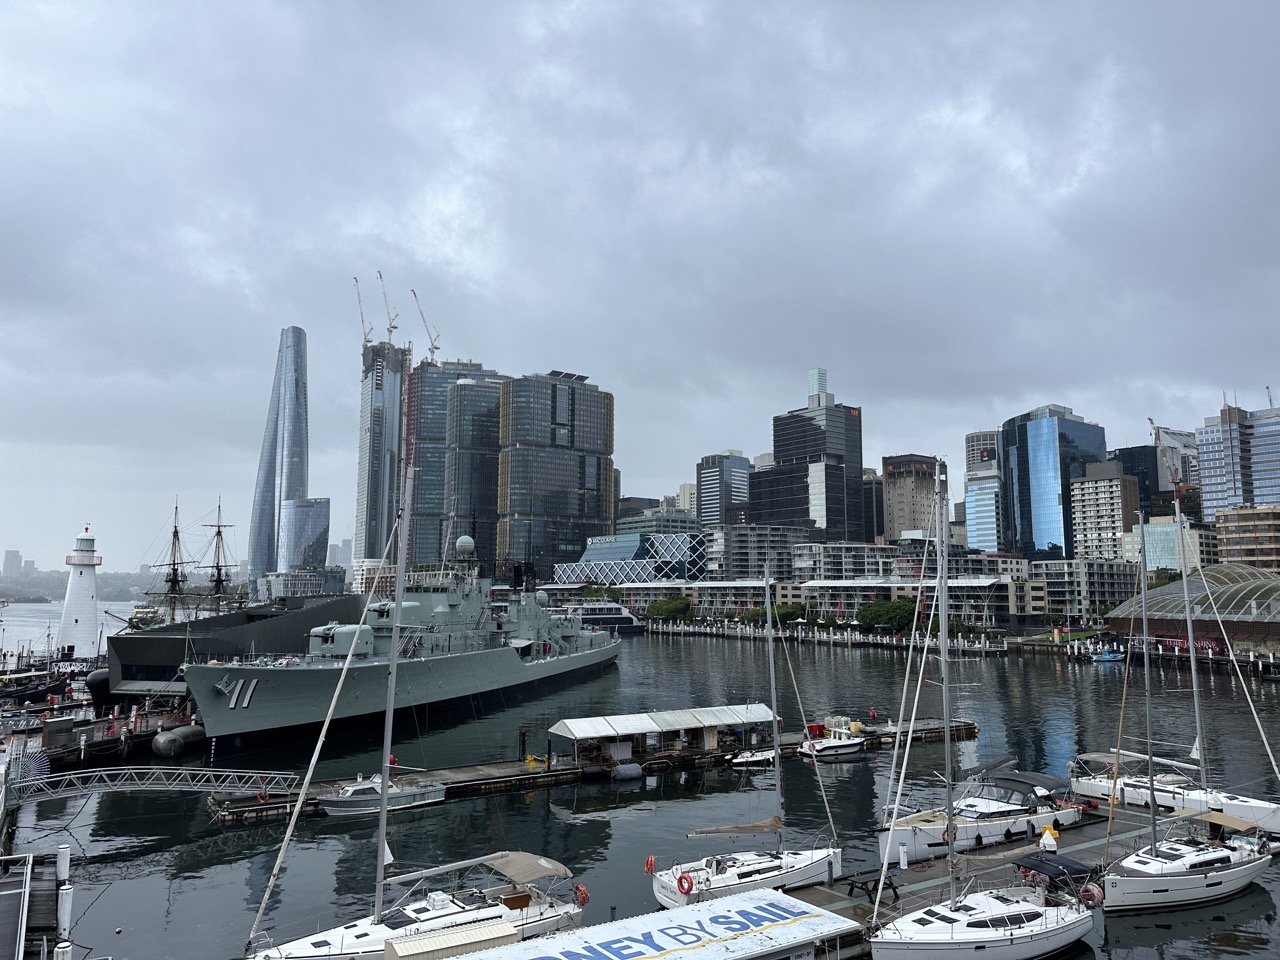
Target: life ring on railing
[(1091, 895), (947, 837), (580, 895), (650, 864), (263, 796), (685, 884)]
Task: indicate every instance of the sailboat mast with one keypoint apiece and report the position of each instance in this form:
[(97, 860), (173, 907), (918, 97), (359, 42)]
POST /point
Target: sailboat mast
[(944, 656), (403, 520), (1191, 639), (1175, 478), (773, 693), (1146, 674)]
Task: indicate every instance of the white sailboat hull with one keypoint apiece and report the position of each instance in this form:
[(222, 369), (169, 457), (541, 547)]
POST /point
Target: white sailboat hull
[(726, 874), (917, 936), (1171, 892), (923, 833), (1134, 791)]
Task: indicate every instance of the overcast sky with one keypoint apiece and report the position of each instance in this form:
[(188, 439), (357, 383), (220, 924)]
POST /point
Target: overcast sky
[(962, 211)]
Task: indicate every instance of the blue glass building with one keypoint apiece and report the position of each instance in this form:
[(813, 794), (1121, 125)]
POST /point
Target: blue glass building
[(283, 462), (1041, 452), (384, 372)]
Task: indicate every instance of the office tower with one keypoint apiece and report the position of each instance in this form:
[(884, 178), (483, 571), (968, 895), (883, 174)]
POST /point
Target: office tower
[(1143, 463), (380, 472), (909, 481), (1250, 535), (984, 508), (1239, 459), (555, 471), (722, 485), (426, 425), (1104, 507), (872, 506), (816, 477), (304, 534), (687, 497), (1041, 451), (283, 462), (12, 564), (471, 466)]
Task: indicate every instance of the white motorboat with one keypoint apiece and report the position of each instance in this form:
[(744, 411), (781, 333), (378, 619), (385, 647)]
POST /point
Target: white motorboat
[(724, 874), (837, 738), (364, 797)]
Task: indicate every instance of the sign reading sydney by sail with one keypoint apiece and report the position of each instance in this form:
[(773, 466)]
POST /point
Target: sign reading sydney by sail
[(761, 923)]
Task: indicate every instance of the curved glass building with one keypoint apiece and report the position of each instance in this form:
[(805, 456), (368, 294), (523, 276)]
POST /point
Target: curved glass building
[(283, 462)]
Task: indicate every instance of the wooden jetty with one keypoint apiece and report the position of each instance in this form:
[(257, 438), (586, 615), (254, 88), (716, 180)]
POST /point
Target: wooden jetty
[(534, 772)]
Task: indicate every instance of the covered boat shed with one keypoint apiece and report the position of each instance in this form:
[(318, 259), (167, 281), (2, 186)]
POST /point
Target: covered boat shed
[(667, 734)]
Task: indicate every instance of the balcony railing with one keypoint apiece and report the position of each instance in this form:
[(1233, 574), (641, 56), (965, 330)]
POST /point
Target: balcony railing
[(81, 559)]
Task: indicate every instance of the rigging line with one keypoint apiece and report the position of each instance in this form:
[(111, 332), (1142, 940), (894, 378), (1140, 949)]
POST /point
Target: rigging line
[(902, 710), (1231, 652), (1124, 697), (804, 725), (324, 730)]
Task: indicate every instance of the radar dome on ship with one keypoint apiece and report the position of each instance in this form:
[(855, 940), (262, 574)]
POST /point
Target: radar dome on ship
[(465, 547), (541, 597)]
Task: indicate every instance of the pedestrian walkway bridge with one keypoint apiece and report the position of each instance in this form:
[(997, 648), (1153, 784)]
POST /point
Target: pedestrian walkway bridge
[(153, 779)]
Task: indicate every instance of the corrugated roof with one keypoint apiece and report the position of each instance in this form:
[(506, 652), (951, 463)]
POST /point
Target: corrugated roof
[(632, 724)]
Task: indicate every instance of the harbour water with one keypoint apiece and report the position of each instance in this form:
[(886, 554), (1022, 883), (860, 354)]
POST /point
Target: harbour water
[(175, 885)]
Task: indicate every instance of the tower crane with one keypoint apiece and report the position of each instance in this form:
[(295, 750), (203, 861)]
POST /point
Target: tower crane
[(368, 330), (391, 320), (433, 336)]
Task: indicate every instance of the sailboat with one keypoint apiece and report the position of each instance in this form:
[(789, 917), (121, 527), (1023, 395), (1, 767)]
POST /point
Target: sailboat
[(1035, 915), (1121, 775), (728, 873), (495, 910), (1184, 870), (995, 806)]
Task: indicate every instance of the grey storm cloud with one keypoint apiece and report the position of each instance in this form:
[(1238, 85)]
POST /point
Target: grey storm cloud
[(962, 211)]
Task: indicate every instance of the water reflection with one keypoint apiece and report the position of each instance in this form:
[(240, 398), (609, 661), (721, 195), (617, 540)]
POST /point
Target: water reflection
[(1240, 926)]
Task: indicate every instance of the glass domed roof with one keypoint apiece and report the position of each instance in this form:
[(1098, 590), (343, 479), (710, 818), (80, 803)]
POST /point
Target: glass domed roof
[(1237, 590)]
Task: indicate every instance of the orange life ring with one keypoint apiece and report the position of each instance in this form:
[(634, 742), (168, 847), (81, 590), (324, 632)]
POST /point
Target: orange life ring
[(685, 884), (580, 895), (650, 865), (263, 796)]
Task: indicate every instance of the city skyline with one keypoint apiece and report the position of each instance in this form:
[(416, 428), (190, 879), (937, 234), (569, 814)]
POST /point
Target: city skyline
[(961, 215)]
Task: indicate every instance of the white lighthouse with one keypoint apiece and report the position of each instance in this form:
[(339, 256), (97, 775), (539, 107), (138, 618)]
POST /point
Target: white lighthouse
[(80, 608)]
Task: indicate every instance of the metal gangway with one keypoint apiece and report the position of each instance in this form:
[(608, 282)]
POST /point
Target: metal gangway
[(153, 779)]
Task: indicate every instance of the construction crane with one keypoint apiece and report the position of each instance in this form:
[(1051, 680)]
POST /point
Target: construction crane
[(433, 336), (391, 320), (368, 330)]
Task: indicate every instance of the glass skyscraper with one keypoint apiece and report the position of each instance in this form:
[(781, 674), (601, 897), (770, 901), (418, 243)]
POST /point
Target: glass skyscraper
[(427, 419), (555, 471), (304, 534), (1239, 459), (984, 511), (283, 462), (471, 466), (1041, 452), (384, 371), (722, 486)]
